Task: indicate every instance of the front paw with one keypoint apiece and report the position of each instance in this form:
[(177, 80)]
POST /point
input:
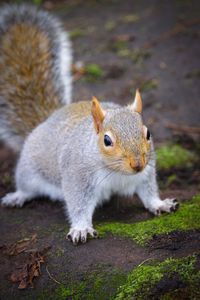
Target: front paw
[(167, 205), (77, 235), (15, 199)]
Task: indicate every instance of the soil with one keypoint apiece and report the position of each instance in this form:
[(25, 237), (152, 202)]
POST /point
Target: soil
[(172, 63)]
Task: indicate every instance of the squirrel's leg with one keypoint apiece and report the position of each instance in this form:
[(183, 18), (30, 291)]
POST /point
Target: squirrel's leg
[(148, 192), (80, 205), (15, 199), (30, 184), (23, 193)]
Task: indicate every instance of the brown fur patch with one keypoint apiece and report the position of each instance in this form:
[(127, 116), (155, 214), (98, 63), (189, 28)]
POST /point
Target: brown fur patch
[(78, 111), (26, 77)]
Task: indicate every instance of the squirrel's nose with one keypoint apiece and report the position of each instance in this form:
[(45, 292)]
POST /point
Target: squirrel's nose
[(136, 166)]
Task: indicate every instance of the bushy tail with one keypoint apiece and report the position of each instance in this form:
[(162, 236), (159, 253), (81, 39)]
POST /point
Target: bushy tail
[(35, 59)]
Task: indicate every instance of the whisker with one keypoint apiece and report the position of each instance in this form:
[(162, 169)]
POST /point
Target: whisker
[(112, 172), (106, 176)]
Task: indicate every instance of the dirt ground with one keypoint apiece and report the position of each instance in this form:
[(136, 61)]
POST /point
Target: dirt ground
[(153, 45)]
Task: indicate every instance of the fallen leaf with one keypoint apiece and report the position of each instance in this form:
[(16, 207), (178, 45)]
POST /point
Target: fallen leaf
[(31, 269), (19, 246), (18, 275), (22, 284)]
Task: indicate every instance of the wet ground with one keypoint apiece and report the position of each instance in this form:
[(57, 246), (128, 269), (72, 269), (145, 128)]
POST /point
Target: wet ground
[(153, 45)]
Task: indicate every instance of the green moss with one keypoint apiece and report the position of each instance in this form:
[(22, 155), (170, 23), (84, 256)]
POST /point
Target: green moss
[(76, 33), (186, 218), (59, 252), (124, 53), (98, 285), (138, 56), (169, 156), (130, 18), (36, 2), (93, 72), (119, 45), (64, 292), (149, 85), (6, 179), (170, 179), (190, 291), (144, 278), (110, 25)]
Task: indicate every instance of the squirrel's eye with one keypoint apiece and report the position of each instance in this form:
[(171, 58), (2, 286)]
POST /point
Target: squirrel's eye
[(107, 141), (148, 134)]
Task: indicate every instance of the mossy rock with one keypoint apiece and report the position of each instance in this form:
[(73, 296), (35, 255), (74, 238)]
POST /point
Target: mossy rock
[(141, 282), (186, 218)]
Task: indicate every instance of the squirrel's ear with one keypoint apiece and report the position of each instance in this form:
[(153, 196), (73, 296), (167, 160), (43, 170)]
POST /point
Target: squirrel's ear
[(97, 113), (137, 104)]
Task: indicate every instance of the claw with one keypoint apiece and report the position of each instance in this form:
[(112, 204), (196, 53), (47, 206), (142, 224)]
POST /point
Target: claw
[(69, 238), (176, 206), (167, 205), (158, 212), (83, 240), (172, 209), (77, 236), (95, 234), (75, 241)]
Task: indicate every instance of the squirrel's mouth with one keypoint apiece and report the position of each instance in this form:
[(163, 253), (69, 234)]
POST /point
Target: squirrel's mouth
[(126, 167), (130, 172), (127, 171)]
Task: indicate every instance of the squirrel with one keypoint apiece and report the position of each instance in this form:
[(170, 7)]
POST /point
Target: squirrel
[(79, 153)]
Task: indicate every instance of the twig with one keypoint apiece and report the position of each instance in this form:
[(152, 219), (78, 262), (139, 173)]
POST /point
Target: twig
[(150, 258), (52, 276), (183, 128)]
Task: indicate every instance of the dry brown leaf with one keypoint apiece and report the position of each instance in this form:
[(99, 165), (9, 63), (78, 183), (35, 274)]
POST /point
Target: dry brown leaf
[(22, 285), (19, 246), (18, 275), (26, 274)]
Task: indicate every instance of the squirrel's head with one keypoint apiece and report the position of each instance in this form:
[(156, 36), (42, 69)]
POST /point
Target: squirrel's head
[(124, 141)]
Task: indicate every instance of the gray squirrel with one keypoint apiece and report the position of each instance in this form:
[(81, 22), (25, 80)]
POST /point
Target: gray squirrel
[(79, 153)]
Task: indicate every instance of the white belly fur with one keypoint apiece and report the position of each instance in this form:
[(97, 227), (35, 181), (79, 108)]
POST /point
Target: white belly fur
[(117, 183)]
